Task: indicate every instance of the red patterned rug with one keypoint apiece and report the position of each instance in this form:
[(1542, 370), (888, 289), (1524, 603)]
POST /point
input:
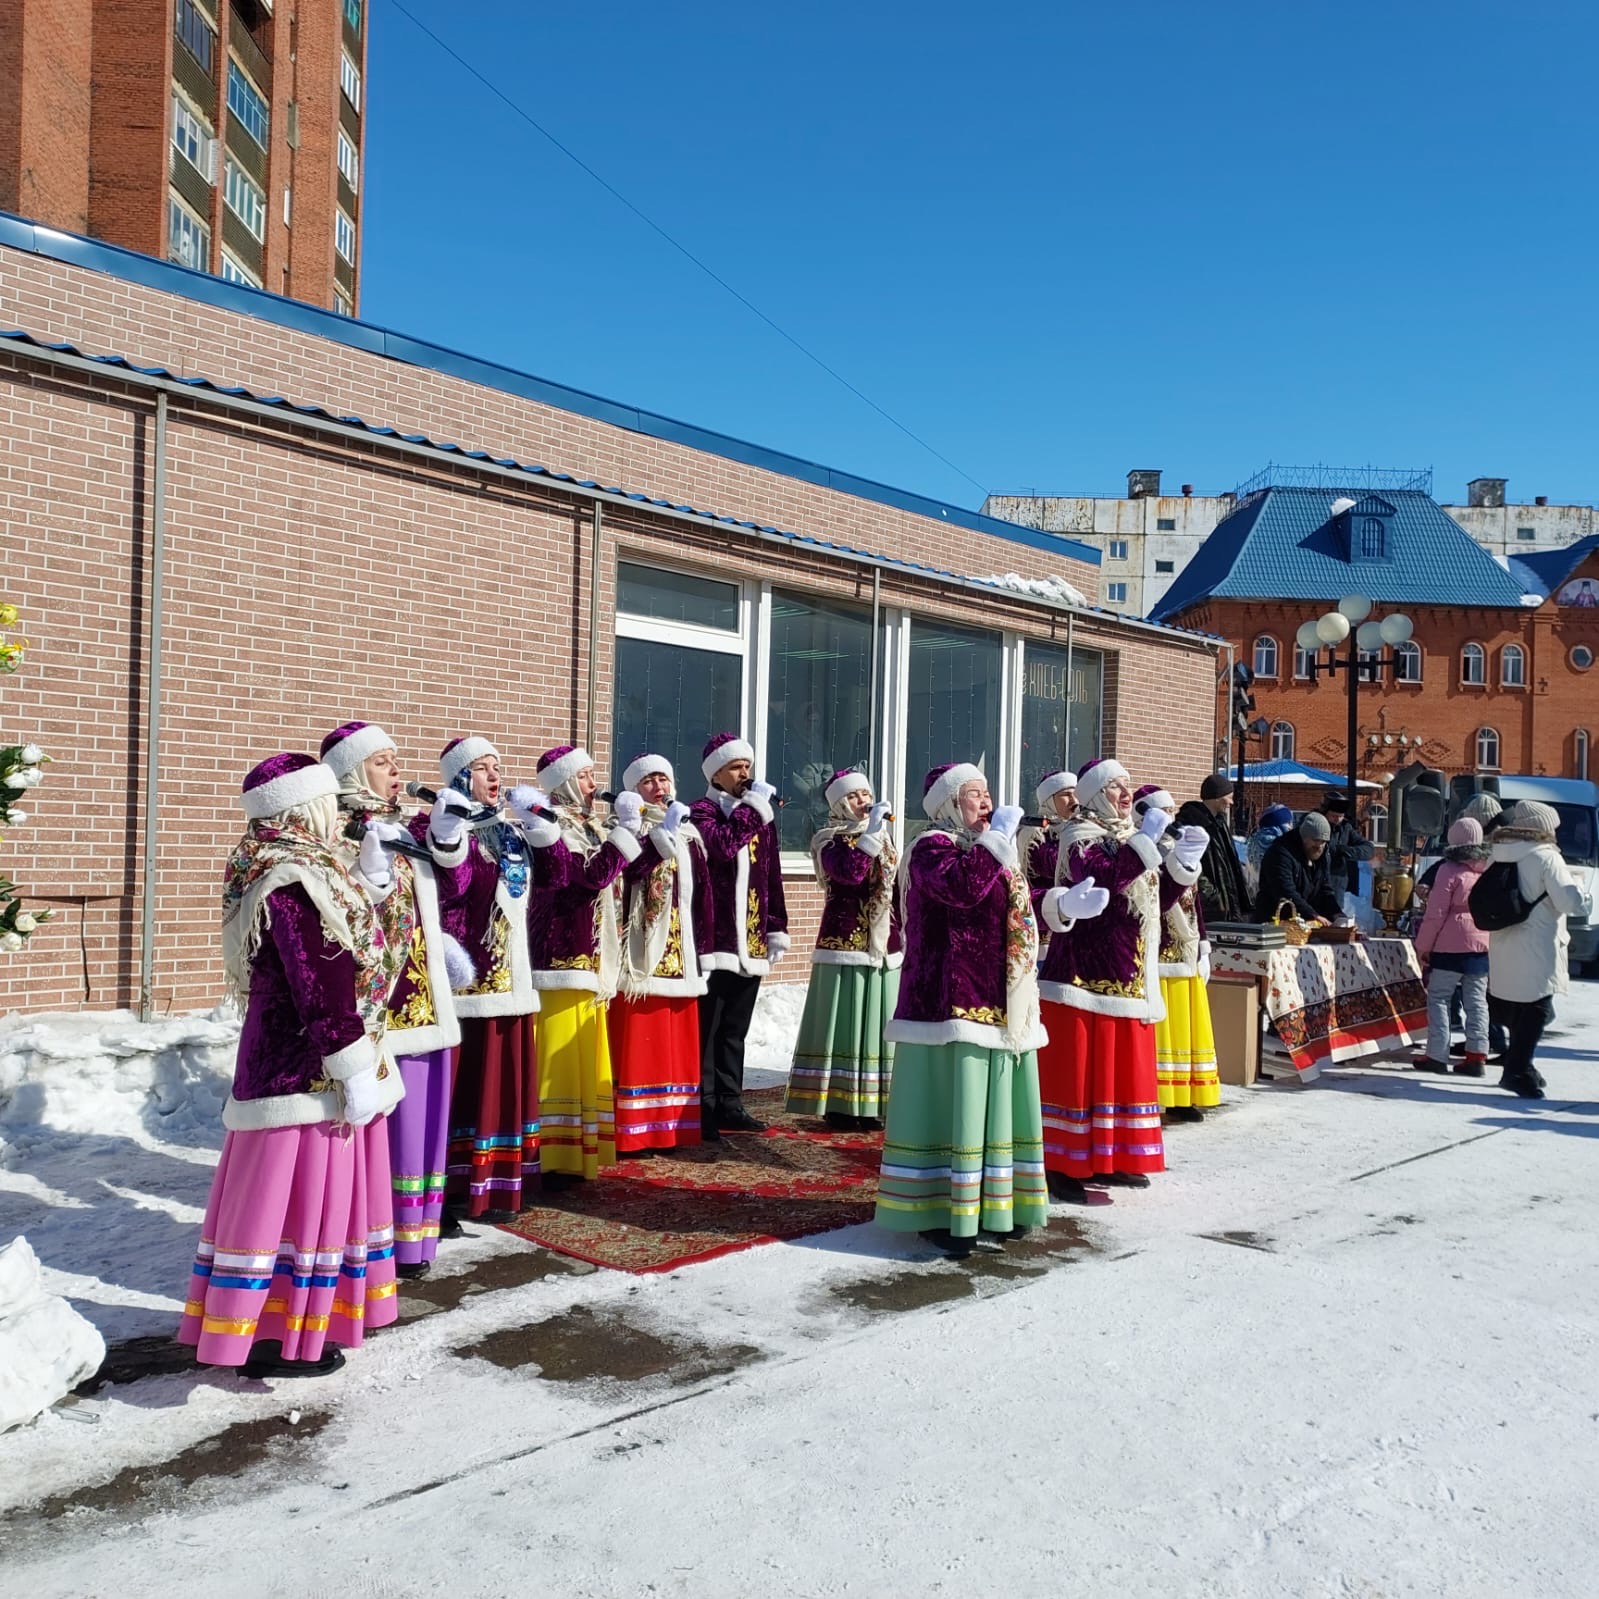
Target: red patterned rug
[(674, 1207)]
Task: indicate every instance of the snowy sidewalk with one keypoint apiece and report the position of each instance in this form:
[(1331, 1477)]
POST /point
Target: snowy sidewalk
[(1345, 1346)]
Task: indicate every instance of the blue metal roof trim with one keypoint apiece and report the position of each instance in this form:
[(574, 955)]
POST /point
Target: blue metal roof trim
[(168, 277), (1543, 571), (1283, 545)]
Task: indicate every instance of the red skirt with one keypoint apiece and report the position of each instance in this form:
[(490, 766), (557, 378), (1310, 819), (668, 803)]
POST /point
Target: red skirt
[(1101, 1097), (493, 1156), (655, 1062)]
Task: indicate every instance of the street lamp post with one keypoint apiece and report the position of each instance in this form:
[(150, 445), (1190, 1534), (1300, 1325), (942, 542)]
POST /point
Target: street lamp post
[(1364, 658)]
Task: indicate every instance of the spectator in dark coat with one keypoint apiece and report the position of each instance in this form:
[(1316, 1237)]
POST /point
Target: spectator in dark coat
[(1295, 869), (1221, 876), (1346, 849)]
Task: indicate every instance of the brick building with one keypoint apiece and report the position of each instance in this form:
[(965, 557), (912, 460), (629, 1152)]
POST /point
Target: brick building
[(1498, 676), (225, 135), (483, 552)]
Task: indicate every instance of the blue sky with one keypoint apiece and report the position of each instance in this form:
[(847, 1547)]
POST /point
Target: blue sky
[(1055, 241)]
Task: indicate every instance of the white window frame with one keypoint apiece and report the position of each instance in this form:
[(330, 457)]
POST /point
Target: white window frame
[(176, 208), (264, 137), (1274, 648), (1115, 593), (1580, 754), (1303, 661), (350, 79), (1481, 740), (1117, 550), (1472, 651), (338, 241), (343, 305), (1512, 653), (245, 198), (1283, 732), (186, 118), (1409, 650), (350, 165), (235, 271), (1376, 828)]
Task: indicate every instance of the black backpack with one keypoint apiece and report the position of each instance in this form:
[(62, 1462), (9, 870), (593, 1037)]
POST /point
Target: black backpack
[(1496, 901)]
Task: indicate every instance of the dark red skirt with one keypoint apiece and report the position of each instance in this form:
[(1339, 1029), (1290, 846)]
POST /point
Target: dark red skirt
[(655, 1064), (1100, 1091), (493, 1161)]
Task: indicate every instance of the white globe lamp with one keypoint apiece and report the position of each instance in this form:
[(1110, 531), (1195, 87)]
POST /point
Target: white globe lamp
[(1332, 628), (1355, 606), (1369, 635), (1396, 629), (1307, 638)]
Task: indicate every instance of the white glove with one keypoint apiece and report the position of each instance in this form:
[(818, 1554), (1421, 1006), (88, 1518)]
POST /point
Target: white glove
[(628, 809), (1006, 820), (676, 815), (1082, 901), (458, 965), (1190, 847), (362, 1097), (448, 817), (776, 947), (762, 790), (525, 802), (879, 818), (1155, 823), (1203, 968), (373, 862)]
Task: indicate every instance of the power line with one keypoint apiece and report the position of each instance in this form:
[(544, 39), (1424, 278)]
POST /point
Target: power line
[(682, 249)]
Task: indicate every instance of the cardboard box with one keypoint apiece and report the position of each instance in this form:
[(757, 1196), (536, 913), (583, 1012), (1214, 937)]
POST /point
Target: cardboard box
[(1235, 1020)]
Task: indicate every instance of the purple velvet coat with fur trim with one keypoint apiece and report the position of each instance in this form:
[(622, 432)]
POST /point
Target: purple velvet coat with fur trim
[(563, 915), (853, 875), (1042, 862), (744, 865), (476, 909)]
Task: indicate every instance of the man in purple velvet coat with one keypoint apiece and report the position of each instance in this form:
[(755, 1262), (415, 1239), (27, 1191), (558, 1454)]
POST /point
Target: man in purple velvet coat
[(749, 921)]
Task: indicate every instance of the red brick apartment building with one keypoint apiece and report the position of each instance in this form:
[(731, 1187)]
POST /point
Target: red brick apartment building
[(430, 541), (225, 135)]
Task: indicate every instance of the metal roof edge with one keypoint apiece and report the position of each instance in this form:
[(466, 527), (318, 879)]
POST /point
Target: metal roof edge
[(95, 255)]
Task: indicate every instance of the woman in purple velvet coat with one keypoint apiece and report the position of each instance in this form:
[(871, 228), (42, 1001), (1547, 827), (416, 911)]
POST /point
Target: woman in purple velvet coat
[(1101, 990), (296, 1249), (842, 1063), (425, 963), (1040, 846), (963, 1144)]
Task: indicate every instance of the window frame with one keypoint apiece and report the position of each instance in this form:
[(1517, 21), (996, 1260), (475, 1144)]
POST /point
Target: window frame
[(1303, 661), (1116, 550), (253, 107), (1409, 649), (352, 171), (1165, 524), (1115, 593), (340, 216), (1278, 728), (236, 179), (1376, 813), (177, 209), (1507, 654), (1271, 641), (1581, 753), (350, 80), (183, 107), (352, 15), (1473, 651), (343, 305), (1165, 568), (1526, 535), (233, 270), (207, 26), (1479, 740)]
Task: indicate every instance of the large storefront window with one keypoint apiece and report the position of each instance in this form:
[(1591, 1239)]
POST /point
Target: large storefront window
[(1061, 692), (818, 707), (680, 650), (952, 706)]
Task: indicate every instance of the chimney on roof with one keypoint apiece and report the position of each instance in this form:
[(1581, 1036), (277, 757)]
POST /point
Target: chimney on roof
[(1486, 491), (1142, 483), (1188, 491), (1540, 499)]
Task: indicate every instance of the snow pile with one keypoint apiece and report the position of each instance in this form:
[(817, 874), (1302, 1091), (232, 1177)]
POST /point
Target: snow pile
[(46, 1347), (1043, 588), (770, 1044)]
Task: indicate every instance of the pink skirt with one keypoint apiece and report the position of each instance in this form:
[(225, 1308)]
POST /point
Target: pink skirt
[(297, 1243)]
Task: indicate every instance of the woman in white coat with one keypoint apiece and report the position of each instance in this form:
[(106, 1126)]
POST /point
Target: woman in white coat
[(1527, 961)]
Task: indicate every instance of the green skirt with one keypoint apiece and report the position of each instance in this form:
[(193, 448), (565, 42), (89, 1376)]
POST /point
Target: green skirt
[(841, 1064), (964, 1143)]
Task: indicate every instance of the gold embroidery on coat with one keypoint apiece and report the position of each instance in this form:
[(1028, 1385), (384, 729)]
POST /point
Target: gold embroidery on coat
[(671, 964), (992, 1015), (753, 933), (1110, 986), (418, 1010), (497, 976)]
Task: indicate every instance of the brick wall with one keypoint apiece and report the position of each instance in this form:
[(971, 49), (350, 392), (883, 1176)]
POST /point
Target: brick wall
[(308, 581), (44, 110)]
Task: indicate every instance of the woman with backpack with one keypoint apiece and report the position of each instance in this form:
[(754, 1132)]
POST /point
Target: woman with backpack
[(1456, 952), (1524, 899)]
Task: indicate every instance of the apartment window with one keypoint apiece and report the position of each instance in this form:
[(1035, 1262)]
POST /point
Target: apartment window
[(1487, 749), (681, 641), (188, 238), (192, 139), (1513, 666), (1165, 524), (344, 236), (1376, 823), (196, 33), (952, 704), (1062, 691), (1473, 665), (245, 198), (1265, 656), (1282, 741), (1579, 754), (819, 713), (237, 272), (1165, 566), (352, 14), (343, 305), (1118, 549), (1526, 533), (349, 160), (1116, 593), (1303, 661), (1407, 662), (246, 106), (349, 79)]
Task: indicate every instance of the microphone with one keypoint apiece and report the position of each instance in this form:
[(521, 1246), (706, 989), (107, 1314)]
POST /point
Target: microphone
[(430, 796), (421, 791)]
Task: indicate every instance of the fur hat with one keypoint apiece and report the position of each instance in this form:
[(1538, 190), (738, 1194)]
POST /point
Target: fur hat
[(1093, 776), (721, 748), (281, 782), (346, 747), (459, 754), (561, 764), (943, 783), (1051, 784), (846, 781), (1152, 797), (642, 766)]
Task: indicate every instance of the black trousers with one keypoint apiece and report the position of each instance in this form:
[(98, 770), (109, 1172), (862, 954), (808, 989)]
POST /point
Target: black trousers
[(726, 1007), (1526, 1020)]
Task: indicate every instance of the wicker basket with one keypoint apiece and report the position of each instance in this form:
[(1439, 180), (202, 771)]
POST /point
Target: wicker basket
[(1294, 931)]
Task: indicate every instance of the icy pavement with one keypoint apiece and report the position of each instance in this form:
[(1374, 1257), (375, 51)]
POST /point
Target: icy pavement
[(1346, 1345)]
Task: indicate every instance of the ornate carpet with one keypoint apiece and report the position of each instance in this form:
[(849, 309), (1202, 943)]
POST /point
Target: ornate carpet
[(673, 1207)]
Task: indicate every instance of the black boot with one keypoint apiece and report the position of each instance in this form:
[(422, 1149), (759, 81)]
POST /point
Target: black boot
[(710, 1133), (266, 1360), (1069, 1189), (955, 1248), (413, 1269), (450, 1225), (1184, 1113), (739, 1120), (1125, 1179), (839, 1122), (1524, 1085)]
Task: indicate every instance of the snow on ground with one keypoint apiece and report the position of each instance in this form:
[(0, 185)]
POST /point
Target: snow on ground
[(1344, 1346)]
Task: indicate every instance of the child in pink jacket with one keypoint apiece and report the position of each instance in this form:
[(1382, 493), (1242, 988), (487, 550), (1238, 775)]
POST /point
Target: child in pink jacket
[(1456, 951)]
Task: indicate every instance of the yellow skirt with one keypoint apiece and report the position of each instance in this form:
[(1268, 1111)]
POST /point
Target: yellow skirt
[(577, 1103), (1185, 1046)]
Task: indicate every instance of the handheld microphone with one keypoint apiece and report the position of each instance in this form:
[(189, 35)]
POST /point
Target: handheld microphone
[(422, 792), (430, 796)]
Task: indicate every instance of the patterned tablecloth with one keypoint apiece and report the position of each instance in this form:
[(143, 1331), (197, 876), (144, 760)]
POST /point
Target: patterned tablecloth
[(1336, 1002)]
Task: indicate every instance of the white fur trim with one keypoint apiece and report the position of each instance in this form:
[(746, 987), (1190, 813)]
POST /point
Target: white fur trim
[(648, 766), (736, 749), (567, 978), (349, 752), (450, 855), (1147, 850), (856, 957), (847, 783), (1179, 969), (671, 988), (722, 961), (1093, 781), (948, 786), (291, 789), (1000, 847), (1141, 1009), (759, 804), (444, 1032), (551, 777), (463, 754), (1186, 875), (627, 844), (1160, 800), (959, 1032), (342, 1064), (299, 1110), (540, 833), (1055, 783), (522, 996), (870, 844)]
